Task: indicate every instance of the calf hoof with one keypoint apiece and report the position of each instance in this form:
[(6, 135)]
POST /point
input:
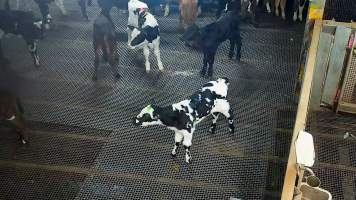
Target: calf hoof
[(283, 16), (210, 74), (188, 160), (300, 17), (231, 131), (295, 17), (117, 76), (202, 73)]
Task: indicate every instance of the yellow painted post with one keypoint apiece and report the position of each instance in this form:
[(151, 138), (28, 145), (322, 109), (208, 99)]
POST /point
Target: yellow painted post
[(302, 112)]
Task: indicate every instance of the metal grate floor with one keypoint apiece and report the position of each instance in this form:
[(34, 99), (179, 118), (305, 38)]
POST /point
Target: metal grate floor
[(83, 145)]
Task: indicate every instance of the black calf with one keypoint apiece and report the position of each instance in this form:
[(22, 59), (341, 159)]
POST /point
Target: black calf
[(24, 24), (211, 36), (104, 39)]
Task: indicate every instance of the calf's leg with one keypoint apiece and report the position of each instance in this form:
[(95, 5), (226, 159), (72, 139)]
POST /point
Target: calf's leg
[(32, 47), (83, 9), (146, 53), (276, 7), (158, 55), (238, 44), (114, 60), (178, 139), (211, 58), (268, 6), (300, 9), (226, 110), (283, 7), (187, 143), (232, 48), (213, 125), (97, 48), (205, 64)]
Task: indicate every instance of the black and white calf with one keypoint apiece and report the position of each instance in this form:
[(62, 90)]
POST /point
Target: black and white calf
[(23, 24), (104, 39), (211, 36), (146, 36), (183, 117)]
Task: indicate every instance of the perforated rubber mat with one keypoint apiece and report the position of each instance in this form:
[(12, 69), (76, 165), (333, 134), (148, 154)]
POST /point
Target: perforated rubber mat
[(84, 146)]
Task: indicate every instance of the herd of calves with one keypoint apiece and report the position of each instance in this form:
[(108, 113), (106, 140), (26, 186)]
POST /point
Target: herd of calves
[(143, 33)]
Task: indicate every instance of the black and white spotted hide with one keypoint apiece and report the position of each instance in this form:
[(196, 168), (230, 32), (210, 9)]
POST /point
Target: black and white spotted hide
[(24, 24), (298, 8), (184, 116), (146, 37)]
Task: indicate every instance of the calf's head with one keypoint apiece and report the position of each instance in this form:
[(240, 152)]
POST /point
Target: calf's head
[(192, 36), (148, 116), (138, 39)]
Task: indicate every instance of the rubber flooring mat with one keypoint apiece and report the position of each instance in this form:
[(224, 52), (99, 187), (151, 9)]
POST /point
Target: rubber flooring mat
[(81, 132)]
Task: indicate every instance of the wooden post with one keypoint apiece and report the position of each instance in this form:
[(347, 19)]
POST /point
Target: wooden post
[(300, 123), (322, 60)]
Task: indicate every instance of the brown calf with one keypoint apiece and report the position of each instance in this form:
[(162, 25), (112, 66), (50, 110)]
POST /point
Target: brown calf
[(105, 40)]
